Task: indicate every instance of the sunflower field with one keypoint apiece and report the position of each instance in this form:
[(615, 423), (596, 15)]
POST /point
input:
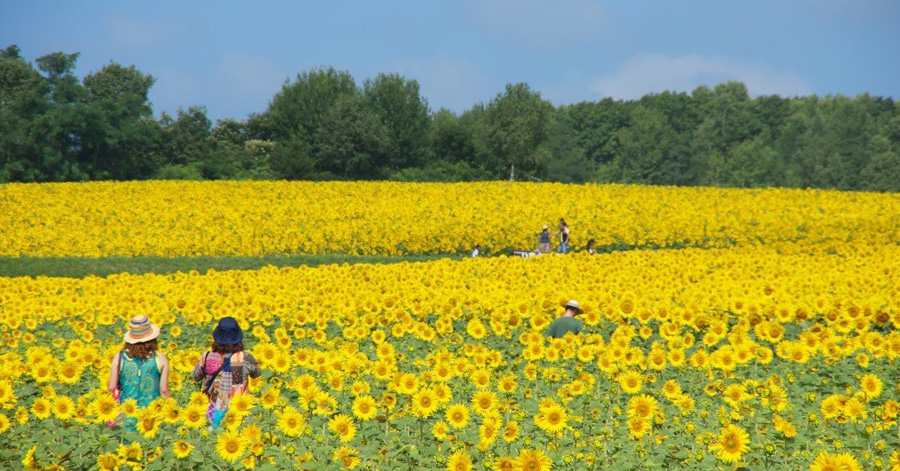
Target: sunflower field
[(724, 329)]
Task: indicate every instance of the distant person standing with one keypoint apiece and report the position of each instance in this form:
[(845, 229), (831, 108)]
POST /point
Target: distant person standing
[(544, 240), (590, 247), (476, 252), (563, 236), (567, 322)]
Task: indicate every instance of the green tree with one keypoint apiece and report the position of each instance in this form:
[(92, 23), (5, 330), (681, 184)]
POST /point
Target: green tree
[(23, 99), (350, 139), (515, 124), (642, 150), (396, 102), (451, 140), (882, 172), (116, 142)]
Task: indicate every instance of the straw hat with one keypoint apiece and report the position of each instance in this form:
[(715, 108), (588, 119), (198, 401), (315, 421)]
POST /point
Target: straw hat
[(141, 330), (573, 305)]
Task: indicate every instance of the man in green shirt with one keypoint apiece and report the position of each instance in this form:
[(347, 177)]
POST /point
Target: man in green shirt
[(567, 322)]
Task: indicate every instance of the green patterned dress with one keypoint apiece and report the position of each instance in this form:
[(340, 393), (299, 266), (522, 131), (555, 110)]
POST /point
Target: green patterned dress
[(139, 379)]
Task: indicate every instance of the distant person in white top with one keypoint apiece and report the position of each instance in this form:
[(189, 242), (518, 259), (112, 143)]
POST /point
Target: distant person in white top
[(477, 251)]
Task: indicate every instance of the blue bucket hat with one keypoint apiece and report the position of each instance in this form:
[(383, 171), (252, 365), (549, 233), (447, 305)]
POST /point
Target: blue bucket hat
[(228, 332)]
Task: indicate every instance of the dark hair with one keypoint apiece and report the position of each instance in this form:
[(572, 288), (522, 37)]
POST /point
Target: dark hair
[(590, 243), (141, 350), (234, 348)]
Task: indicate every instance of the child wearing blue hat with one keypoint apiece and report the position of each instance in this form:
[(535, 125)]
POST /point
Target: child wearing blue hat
[(224, 368)]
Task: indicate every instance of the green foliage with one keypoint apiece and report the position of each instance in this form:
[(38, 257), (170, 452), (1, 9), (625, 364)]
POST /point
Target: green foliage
[(322, 125), (515, 124)]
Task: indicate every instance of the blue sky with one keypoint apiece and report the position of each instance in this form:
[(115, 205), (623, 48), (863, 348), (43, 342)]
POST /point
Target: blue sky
[(233, 56)]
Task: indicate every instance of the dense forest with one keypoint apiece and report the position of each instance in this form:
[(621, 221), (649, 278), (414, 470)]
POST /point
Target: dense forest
[(323, 124)]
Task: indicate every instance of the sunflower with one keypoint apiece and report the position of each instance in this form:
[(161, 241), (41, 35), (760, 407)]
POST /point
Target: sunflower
[(642, 406), (894, 461), (551, 418), (480, 378), (129, 407), (194, 416), (105, 408), (148, 422), (533, 460), (63, 407), (365, 407), (343, 425), (241, 404), (424, 403), (457, 415), (40, 408), (440, 429), (483, 402), (348, 457), (871, 385), (826, 462), (504, 463), (848, 462), (69, 372), (510, 432), (631, 381), (291, 422), (182, 449), (507, 384), (442, 393), (7, 393), (671, 389), (731, 443), (230, 445), (132, 452), (4, 423), (108, 462), (270, 398), (459, 461), (172, 414), (638, 427)]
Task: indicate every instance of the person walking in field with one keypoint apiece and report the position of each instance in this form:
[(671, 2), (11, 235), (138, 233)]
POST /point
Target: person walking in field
[(544, 240), (225, 368), (563, 236), (139, 371), (567, 322), (589, 248)]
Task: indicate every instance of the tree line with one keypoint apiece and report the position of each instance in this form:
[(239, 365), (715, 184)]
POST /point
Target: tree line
[(324, 125)]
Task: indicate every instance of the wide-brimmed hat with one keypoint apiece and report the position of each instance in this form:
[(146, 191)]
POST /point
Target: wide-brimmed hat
[(228, 332), (573, 305), (546, 227), (141, 330)]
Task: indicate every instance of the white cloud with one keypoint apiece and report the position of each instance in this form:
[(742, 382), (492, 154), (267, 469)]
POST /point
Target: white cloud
[(539, 22), (654, 73)]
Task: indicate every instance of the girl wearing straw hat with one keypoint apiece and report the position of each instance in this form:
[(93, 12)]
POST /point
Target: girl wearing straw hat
[(224, 369), (139, 371)]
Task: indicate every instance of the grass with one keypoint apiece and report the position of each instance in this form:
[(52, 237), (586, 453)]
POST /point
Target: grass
[(78, 267)]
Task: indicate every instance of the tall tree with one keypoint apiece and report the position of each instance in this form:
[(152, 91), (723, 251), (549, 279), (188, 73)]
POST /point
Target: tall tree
[(23, 99), (643, 148), (350, 139), (116, 143), (397, 103), (515, 124)]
